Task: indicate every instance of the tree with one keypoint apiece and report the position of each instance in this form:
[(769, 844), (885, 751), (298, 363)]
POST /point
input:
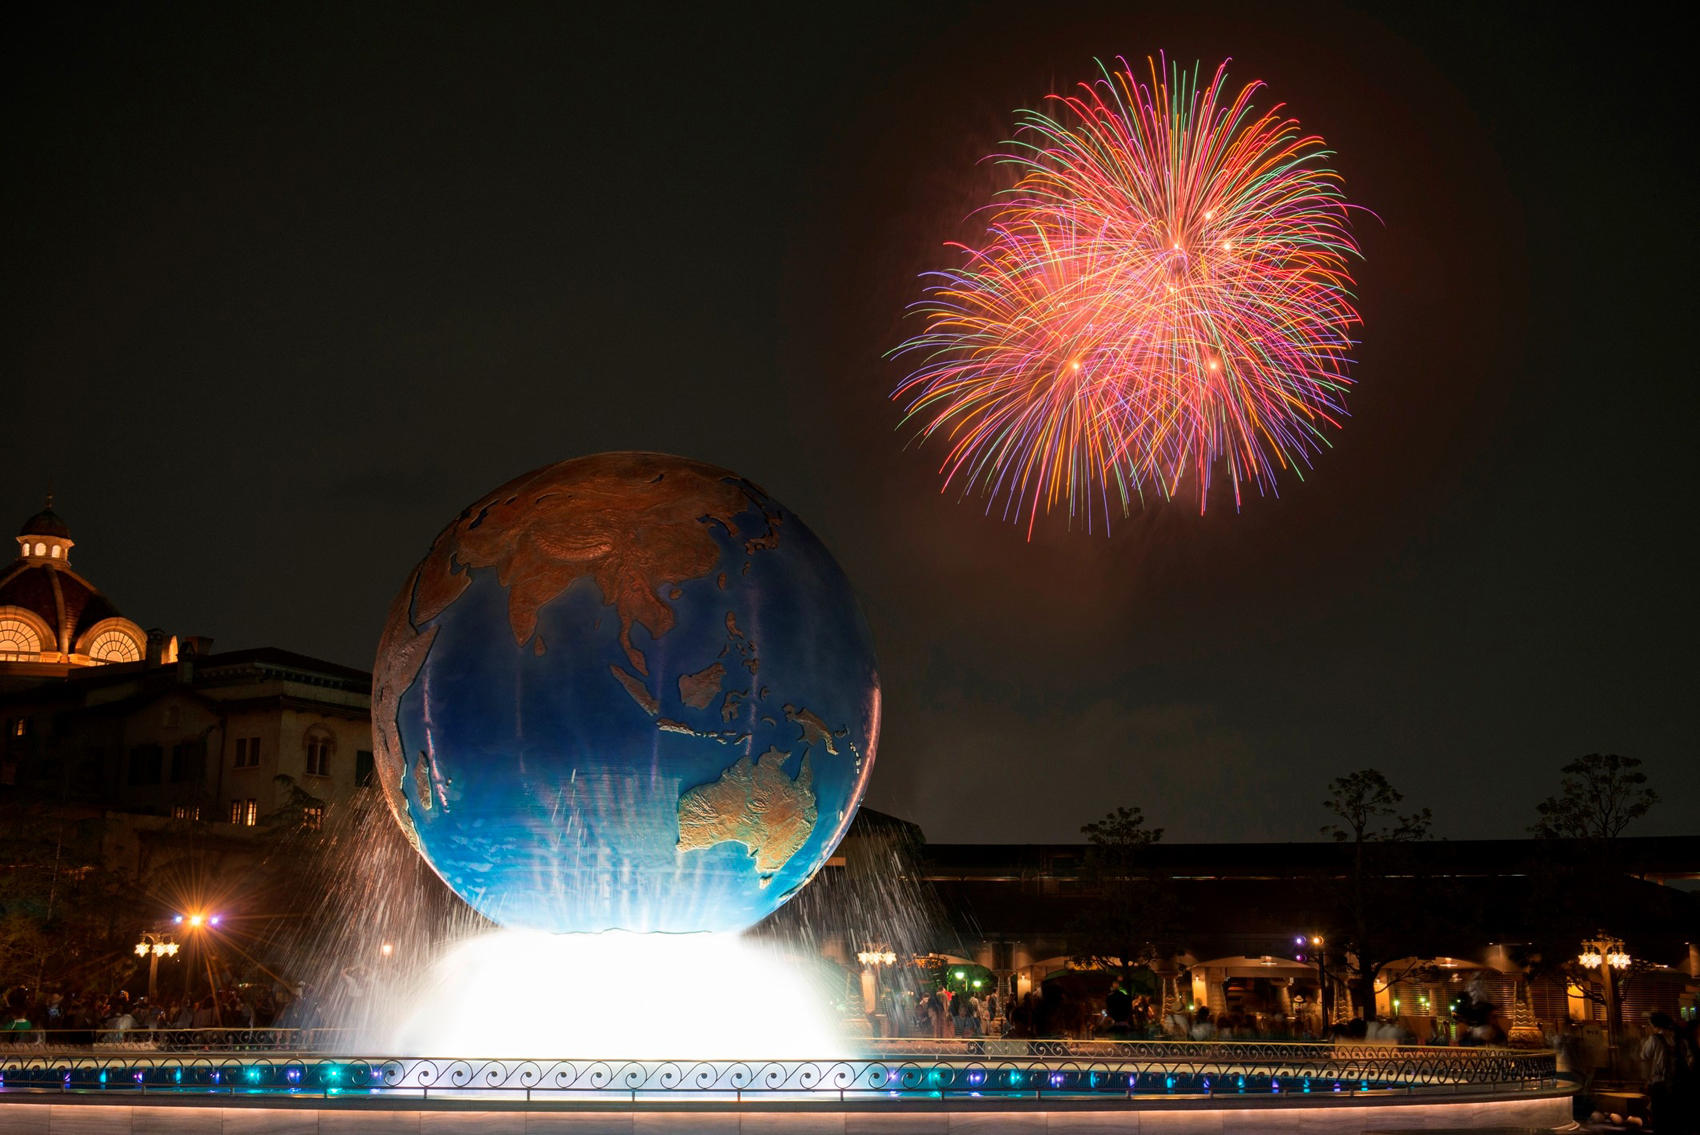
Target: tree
[(1367, 807), (66, 919), (1580, 885), (1600, 795), (1361, 799), (1130, 916)]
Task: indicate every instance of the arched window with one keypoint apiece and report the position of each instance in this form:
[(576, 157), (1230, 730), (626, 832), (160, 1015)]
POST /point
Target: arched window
[(320, 746), (17, 637), (114, 646), (56, 551), (40, 549)]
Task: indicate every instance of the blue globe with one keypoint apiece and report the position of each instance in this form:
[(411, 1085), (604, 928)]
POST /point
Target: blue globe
[(627, 691)]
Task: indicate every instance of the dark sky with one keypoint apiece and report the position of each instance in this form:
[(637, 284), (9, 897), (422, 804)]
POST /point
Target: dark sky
[(287, 286)]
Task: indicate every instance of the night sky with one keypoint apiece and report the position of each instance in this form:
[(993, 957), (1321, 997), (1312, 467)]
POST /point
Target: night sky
[(286, 287)]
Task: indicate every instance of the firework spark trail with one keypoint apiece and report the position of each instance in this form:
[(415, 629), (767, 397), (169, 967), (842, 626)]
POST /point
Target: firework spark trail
[(1165, 290)]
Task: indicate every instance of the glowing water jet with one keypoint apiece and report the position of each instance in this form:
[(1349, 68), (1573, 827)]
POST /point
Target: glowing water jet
[(617, 995)]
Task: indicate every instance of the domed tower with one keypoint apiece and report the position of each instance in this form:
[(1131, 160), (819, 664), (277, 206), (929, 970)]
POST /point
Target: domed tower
[(50, 615)]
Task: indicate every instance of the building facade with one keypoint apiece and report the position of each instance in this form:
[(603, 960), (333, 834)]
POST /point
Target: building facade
[(100, 713), (52, 620)]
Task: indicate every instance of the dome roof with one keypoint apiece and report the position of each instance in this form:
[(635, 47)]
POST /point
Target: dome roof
[(58, 596), (46, 523)]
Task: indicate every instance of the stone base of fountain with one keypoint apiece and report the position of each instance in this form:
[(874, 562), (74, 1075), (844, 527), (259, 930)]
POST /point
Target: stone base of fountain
[(1541, 1110)]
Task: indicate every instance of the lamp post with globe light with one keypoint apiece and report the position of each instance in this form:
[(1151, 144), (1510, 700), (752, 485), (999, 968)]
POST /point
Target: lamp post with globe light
[(155, 944), (872, 962), (1317, 944), (1605, 953), (197, 924)]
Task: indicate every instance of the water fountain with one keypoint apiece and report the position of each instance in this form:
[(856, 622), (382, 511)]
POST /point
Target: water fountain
[(626, 709)]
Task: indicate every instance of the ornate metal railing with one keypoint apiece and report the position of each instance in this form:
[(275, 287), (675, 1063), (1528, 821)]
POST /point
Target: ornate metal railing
[(1224, 1072)]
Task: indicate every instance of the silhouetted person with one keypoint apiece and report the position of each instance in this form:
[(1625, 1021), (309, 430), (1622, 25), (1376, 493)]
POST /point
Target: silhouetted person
[(1118, 1006)]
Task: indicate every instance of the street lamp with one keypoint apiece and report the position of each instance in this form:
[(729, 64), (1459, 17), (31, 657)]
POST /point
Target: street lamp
[(1317, 943), (199, 924), (1606, 954), (872, 961), (155, 944)]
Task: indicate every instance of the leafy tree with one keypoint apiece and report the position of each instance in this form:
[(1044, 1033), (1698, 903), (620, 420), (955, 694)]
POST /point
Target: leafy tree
[(1600, 796), (1129, 919), (1363, 800), (1580, 885), (1369, 925), (66, 920)]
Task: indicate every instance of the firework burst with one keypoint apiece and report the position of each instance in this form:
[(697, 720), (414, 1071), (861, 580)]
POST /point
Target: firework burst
[(1164, 291)]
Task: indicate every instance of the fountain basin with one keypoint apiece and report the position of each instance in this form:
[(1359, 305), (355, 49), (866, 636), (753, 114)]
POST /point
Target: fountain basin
[(1155, 1086)]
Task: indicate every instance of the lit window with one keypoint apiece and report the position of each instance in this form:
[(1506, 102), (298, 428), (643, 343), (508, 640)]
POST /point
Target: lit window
[(236, 811), (251, 813), (41, 549), (17, 637), (114, 646), (313, 817), (56, 551), (182, 812)]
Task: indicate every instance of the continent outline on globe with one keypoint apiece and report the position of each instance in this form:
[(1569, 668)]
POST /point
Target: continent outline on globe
[(655, 536)]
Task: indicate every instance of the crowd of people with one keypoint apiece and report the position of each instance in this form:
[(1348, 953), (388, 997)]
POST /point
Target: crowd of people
[(116, 1018), (1055, 1013)]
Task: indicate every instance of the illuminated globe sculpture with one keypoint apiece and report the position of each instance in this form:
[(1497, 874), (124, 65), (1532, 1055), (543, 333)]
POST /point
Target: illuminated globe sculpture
[(627, 691)]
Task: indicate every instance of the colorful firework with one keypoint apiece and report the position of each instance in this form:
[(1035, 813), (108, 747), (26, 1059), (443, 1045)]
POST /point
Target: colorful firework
[(1164, 290)]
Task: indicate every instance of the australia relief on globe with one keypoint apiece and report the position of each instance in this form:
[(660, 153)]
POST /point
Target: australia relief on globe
[(638, 532)]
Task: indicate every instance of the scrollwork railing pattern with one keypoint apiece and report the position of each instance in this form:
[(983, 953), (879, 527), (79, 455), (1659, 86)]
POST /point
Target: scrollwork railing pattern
[(1200, 1070)]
